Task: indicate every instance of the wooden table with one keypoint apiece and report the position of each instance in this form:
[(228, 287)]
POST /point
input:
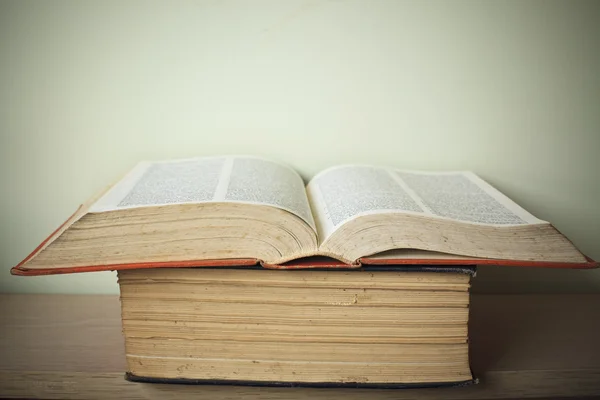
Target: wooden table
[(68, 346)]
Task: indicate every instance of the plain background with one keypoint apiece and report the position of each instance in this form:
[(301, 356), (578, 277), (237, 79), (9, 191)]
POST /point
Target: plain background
[(508, 89)]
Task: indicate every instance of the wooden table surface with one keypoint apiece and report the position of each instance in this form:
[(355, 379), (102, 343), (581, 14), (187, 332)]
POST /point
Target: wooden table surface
[(69, 346)]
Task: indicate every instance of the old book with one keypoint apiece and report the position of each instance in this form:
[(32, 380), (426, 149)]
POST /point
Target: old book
[(366, 328), (248, 210)]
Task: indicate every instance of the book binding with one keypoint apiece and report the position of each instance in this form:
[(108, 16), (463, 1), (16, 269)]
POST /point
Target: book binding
[(359, 385)]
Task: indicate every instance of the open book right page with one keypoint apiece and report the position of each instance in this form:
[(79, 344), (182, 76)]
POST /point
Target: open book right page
[(340, 194)]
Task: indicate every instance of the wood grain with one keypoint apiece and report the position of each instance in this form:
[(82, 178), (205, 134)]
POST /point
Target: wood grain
[(522, 346)]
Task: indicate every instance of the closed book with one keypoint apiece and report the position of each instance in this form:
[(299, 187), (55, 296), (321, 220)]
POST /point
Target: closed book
[(369, 327)]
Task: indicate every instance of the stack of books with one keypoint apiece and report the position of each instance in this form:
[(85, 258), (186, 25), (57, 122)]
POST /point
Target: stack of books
[(232, 270)]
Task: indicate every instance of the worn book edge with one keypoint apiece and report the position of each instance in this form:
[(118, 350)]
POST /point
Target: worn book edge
[(302, 263), (399, 385)]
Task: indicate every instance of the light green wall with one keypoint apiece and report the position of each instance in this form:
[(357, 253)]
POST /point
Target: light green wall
[(508, 89)]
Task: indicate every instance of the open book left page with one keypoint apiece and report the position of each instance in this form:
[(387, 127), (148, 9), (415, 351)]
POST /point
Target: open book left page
[(188, 212), (239, 179)]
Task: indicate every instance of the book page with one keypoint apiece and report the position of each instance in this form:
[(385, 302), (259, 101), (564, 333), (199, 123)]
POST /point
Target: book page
[(340, 194), (258, 181), (463, 196), (249, 180)]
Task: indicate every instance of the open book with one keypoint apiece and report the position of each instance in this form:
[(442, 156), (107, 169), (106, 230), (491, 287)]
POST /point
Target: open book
[(192, 211)]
